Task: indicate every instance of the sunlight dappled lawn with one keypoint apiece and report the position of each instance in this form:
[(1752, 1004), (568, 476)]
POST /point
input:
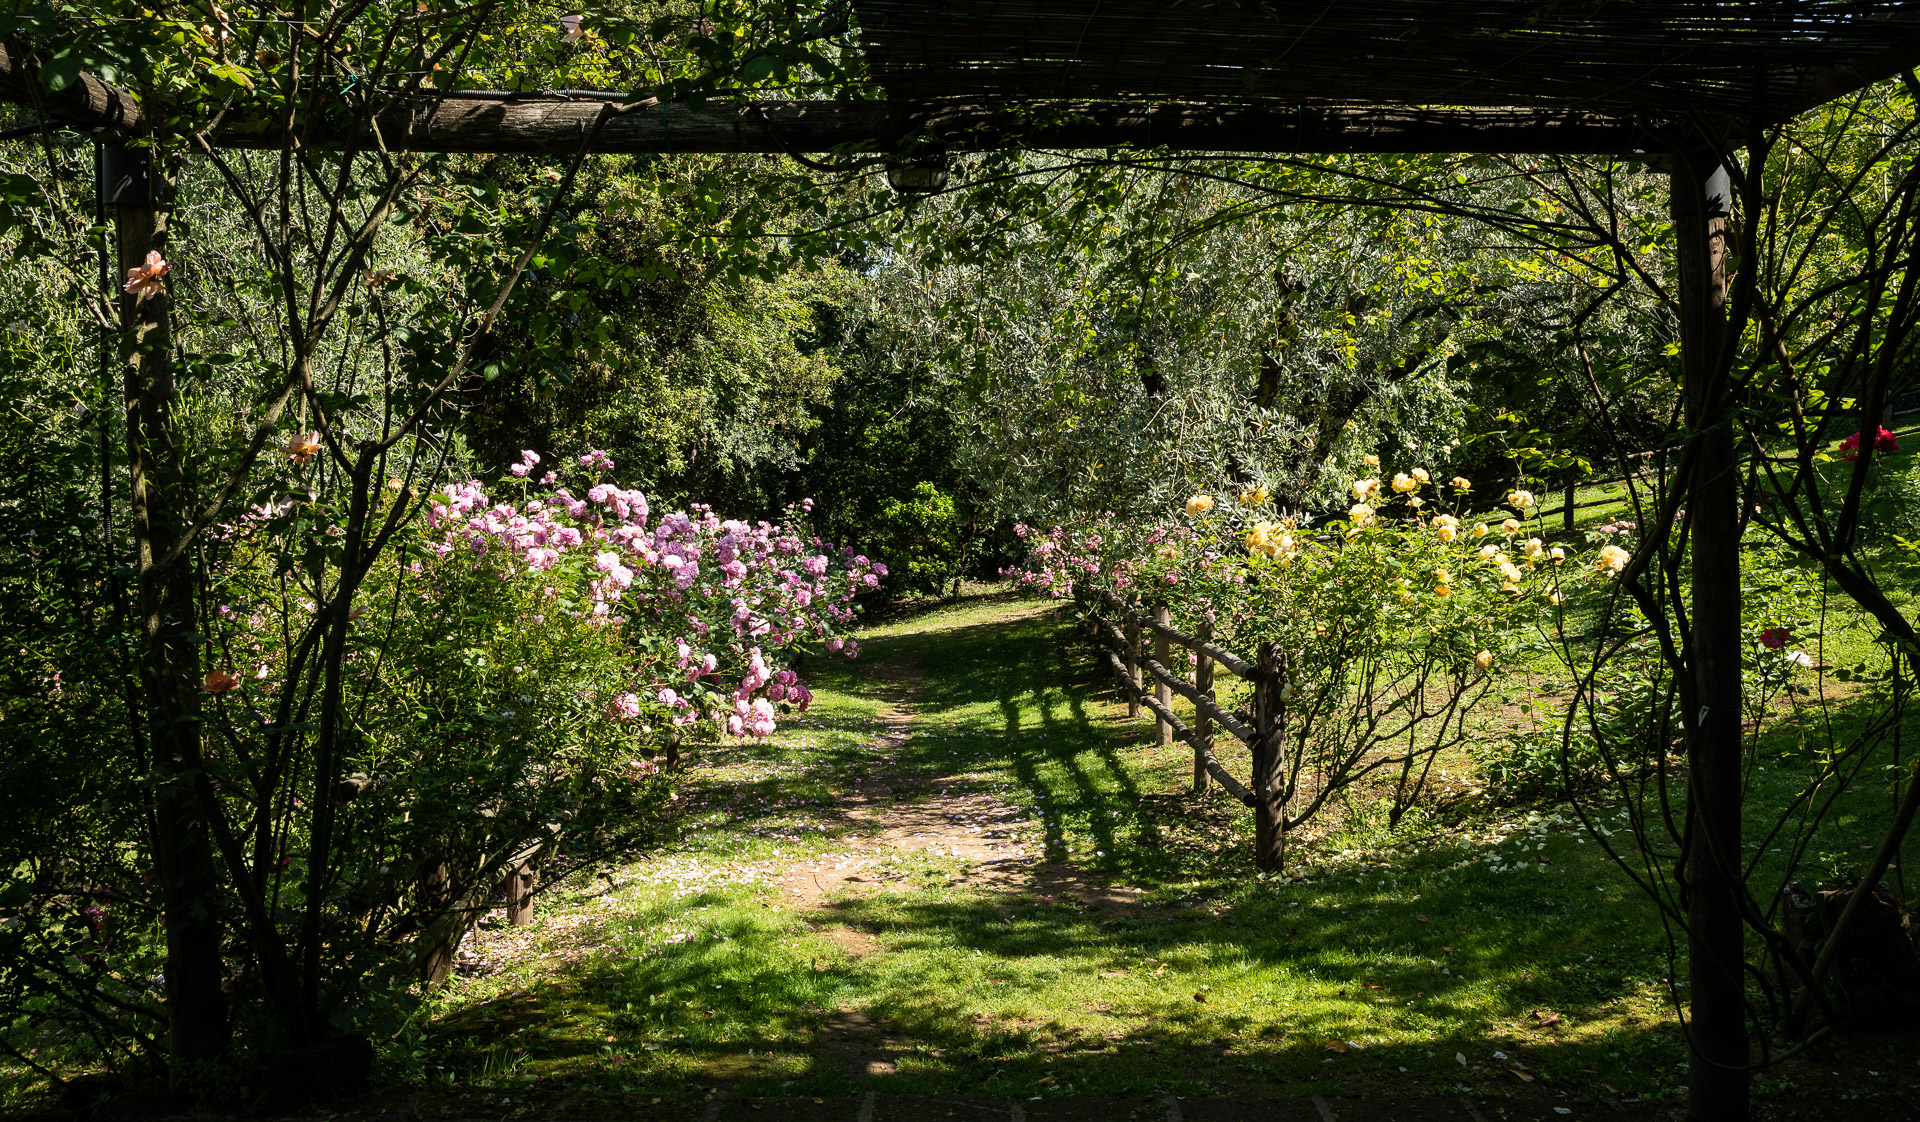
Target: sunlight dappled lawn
[(1376, 966), (656, 971)]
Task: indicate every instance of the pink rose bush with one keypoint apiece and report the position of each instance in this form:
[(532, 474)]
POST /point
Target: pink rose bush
[(513, 661), (727, 598)]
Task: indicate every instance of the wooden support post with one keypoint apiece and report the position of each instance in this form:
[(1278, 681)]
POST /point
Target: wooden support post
[(1133, 667), (1717, 1028), (1163, 732), (1202, 723), (1566, 513), (1269, 814), (140, 195)]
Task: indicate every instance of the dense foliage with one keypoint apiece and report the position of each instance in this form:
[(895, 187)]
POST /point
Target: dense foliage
[(290, 690)]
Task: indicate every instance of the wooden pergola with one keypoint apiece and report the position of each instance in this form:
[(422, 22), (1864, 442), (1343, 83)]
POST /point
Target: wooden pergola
[(1680, 79), (1400, 76)]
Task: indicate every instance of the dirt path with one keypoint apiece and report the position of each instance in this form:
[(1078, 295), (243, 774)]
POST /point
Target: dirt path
[(994, 842), (980, 831)]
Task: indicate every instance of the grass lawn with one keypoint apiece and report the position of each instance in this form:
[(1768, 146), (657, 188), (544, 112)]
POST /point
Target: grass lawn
[(1124, 947)]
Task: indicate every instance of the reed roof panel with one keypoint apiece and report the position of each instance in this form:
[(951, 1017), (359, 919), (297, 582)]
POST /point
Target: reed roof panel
[(1766, 58)]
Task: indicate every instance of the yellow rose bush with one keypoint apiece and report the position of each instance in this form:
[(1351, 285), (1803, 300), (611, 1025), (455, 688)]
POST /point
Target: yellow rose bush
[(1391, 625)]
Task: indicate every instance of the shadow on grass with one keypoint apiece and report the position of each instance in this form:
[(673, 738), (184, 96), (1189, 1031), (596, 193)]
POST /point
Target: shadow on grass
[(973, 991), (1227, 986)]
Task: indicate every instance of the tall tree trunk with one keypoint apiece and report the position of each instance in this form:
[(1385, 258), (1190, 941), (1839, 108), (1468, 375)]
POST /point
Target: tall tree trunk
[(170, 669), (1717, 1032)]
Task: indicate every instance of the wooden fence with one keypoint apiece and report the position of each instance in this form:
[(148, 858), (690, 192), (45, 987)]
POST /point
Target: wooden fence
[(1118, 628)]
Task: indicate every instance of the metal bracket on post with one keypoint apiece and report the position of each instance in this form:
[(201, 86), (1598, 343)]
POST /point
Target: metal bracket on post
[(124, 175)]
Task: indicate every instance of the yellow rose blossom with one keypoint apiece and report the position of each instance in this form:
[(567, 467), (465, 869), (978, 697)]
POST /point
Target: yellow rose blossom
[(1270, 539), (1461, 483), (1443, 591), (1509, 586), (1364, 489), (1416, 502), (1373, 461), (1359, 515), (1490, 552), (1421, 475), (1556, 555), (1480, 530), (1534, 547), (1510, 527), (1254, 496), (1199, 505), (1443, 576), (1510, 571), (1612, 560), (1446, 527), (1520, 500), (1556, 597), (1483, 660), (1403, 483)]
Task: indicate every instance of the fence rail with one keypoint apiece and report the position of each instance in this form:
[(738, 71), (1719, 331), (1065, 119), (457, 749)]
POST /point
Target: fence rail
[(1118, 627)]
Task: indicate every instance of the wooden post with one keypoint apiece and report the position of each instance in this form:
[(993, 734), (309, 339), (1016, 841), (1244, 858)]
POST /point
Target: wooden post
[(1269, 816), (1566, 514), (140, 195), (520, 884), (436, 942), (1133, 667), (1717, 1028), (1162, 732), (1203, 724)]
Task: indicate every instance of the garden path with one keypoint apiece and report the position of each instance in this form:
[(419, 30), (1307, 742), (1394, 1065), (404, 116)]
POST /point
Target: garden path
[(897, 810), (966, 886)]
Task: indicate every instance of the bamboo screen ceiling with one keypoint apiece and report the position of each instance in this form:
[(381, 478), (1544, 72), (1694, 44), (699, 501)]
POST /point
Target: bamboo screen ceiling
[(1762, 59)]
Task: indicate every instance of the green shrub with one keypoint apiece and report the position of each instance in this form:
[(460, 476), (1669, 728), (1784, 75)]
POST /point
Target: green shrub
[(922, 534)]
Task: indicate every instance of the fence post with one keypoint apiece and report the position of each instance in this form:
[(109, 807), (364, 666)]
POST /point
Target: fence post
[(1163, 732), (1133, 666), (521, 880), (1566, 515), (435, 954), (1269, 834), (1202, 724)]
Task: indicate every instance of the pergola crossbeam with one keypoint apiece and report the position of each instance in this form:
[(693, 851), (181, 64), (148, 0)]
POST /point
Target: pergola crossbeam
[(487, 122)]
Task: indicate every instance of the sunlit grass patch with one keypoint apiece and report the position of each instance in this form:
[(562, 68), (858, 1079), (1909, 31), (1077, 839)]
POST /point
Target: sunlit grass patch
[(1500, 951)]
